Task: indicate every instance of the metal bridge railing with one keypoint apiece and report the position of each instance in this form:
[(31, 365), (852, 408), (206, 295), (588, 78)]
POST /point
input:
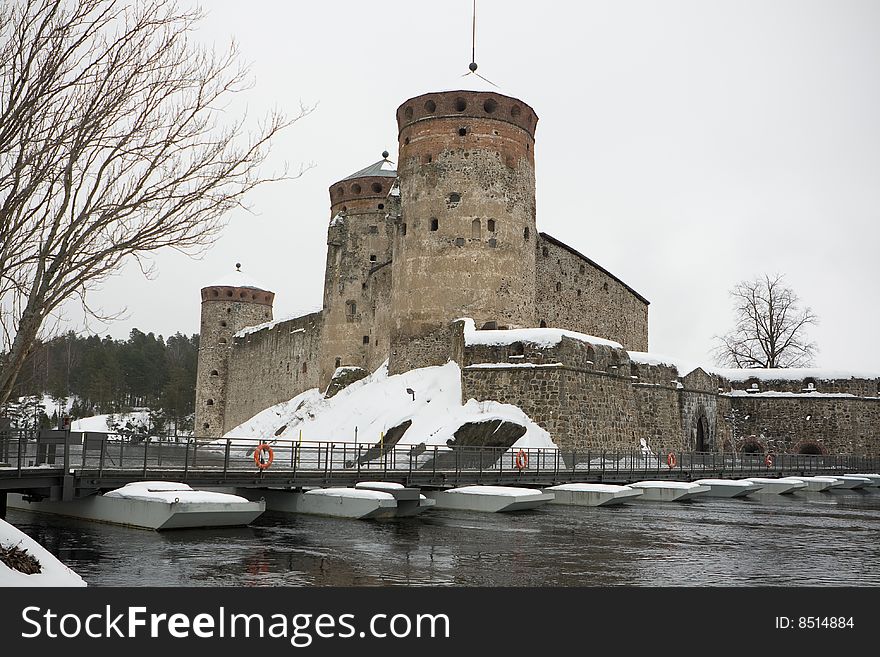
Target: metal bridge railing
[(102, 453)]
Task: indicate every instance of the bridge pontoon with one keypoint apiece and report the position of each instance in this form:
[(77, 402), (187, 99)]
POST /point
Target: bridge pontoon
[(489, 498), (591, 494), (669, 491)]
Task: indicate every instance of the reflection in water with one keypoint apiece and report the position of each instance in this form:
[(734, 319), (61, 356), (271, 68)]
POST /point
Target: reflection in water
[(802, 539)]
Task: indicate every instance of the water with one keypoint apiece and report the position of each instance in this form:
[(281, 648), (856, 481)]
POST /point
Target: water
[(802, 539)]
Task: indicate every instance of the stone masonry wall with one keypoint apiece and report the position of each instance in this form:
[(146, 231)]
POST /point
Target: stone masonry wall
[(846, 425), (379, 294), (573, 292), (272, 365)]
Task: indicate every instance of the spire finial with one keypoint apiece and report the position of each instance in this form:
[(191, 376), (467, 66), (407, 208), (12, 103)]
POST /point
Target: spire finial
[(385, 155), (473, 65), (238, 266)]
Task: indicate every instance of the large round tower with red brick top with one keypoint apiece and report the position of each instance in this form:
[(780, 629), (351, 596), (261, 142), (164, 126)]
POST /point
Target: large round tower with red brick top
[(465, 244)]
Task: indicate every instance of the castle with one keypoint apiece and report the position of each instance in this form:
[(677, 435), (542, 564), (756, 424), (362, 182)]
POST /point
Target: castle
[(450, 234)]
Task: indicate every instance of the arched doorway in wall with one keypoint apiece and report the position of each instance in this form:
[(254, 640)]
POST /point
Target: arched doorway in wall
[(702, 444), (810, 447), (752, 445)]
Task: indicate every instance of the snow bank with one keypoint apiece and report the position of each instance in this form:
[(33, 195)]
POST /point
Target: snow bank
[(542, 337), (376, 403), (506, 491), (352, 493), (98, 423), (54, 573), (171, 492)]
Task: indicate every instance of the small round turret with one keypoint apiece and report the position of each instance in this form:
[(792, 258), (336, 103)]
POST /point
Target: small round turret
[(229, 304), (359, 243), (363, 190)]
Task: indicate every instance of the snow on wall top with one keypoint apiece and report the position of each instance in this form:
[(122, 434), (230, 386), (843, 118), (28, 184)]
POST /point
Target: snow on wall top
[(243, 333), (542, 337), (741, 375), (791, 374)]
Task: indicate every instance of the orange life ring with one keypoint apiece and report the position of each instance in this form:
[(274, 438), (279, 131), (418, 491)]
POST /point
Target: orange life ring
[(522, 460), (768, 460), (670, 460), (262, 463)]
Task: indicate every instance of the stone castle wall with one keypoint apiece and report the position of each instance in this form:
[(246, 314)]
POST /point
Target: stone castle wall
[(593, 397), (271, 365), (843, 425), (574, 292)]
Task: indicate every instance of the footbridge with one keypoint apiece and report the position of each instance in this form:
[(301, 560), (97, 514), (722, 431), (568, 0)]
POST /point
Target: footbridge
[(64, 465)]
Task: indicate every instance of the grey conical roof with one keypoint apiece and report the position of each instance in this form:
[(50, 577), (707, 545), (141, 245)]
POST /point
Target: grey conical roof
[(382, 168)]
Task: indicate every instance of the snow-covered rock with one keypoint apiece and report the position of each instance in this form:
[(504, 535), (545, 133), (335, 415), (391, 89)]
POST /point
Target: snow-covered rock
[(54, 573), (379, 402)]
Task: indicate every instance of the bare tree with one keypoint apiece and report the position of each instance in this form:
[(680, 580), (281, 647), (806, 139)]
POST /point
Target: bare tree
[(770, 329), (114, 143)]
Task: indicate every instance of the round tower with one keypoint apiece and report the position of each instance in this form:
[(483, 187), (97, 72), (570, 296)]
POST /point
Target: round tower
[(466, 240), (359, 241), (228, 305)]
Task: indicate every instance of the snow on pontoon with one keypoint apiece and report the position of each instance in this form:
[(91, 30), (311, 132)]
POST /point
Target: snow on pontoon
[(335, 502), (153, 505), (591, 494), (875, 479), (669, 491), (368, 500), (51, 571), (727, 487), (781, 486), (854, 481), (410, 501), (494, 499), (818, 484)]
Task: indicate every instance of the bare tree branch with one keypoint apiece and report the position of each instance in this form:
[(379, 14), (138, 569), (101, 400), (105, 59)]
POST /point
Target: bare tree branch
[(113, 144), (770, 329)]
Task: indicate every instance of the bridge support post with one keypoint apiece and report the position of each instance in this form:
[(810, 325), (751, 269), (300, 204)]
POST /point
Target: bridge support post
[(2, 504)]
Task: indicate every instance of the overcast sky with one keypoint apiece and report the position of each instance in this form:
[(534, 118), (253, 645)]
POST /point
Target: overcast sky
[(683, 145)]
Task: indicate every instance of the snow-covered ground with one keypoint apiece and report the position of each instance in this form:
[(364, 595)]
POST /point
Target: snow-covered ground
[(171, 491), (98, 423), (379, 402), (54, 573)]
